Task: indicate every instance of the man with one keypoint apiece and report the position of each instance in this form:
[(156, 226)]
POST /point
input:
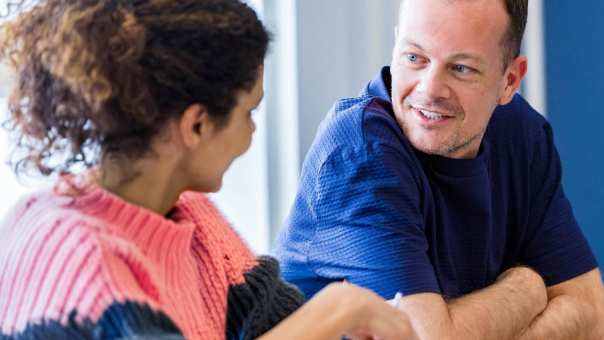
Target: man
[(441, 183)]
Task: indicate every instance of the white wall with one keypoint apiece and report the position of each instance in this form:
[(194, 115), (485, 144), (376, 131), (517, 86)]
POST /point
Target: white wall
[(341, 46)]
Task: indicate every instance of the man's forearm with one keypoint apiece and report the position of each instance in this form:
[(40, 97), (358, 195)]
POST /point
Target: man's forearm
[(575, 310), (564, 318), (502, 311)]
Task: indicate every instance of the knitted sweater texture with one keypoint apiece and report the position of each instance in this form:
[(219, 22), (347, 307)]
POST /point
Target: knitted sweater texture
[(95, 266)]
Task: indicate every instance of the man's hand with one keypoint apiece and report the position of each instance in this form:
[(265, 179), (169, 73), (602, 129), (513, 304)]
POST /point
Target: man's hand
[(502, 311), (517, 306), (575, 311)]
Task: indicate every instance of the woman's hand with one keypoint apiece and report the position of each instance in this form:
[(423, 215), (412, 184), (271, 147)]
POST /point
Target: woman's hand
[(343, 309), (369, 316)]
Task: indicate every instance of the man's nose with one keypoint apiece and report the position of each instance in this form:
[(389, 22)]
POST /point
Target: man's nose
[(433, 84)]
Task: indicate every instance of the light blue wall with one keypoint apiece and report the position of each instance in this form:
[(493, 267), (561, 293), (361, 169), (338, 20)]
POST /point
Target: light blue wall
[(575, 90), (341, 46)]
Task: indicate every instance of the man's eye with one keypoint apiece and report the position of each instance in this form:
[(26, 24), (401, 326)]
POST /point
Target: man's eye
[(462, 69), (412, 57)]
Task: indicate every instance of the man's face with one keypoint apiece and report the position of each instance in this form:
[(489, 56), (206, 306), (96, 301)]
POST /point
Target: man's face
[(447, 73)]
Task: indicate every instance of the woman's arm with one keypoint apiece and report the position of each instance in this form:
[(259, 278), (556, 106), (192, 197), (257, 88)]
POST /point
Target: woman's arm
[(343, 309)]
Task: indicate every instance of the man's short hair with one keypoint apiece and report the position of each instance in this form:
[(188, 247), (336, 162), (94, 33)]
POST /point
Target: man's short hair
[(512, 38)]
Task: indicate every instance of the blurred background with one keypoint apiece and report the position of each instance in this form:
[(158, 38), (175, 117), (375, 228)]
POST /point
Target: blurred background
[(328, 49)]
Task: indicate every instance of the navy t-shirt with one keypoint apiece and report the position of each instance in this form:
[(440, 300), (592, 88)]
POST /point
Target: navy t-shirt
[(374, 211)]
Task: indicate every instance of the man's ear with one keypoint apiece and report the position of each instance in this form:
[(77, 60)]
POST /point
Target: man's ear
[(514, 75), (195, 125)]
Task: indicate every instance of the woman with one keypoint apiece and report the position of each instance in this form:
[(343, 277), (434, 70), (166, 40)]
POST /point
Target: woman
[(153, 99)]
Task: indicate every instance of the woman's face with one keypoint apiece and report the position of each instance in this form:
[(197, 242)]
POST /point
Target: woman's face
[(228, 141)]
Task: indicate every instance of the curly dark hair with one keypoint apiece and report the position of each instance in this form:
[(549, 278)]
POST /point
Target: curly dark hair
[(101, 78)]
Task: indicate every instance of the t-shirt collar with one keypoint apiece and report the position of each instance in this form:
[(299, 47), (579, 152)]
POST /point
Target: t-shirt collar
[(380, 86)]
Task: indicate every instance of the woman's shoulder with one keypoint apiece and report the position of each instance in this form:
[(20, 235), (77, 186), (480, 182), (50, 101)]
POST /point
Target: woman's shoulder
[(197, 205), (199, 209), (38, 216), (57, 267), (214, 234)]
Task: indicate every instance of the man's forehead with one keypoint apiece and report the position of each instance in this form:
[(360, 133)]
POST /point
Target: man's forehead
[(470, 18), (403, 3), (465, 32)]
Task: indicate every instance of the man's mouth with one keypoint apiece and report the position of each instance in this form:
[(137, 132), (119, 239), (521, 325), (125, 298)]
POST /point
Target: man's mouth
[(432, 115)]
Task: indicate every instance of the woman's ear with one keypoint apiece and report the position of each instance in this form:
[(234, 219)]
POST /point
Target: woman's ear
[(195, 125)]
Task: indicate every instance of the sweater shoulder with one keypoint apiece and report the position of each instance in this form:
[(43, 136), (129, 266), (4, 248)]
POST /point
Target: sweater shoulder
[(215, 235), (58, 265)]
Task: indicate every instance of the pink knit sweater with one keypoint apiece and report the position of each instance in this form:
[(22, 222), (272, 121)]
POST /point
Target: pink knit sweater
[(95, 265)]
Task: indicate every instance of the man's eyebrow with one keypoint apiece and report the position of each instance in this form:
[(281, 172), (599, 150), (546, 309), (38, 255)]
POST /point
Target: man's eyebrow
[(463, 55), (413, 43), (468, 56), (456, 56)]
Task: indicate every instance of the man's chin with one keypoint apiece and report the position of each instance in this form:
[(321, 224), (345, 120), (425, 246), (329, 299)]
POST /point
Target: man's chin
[(430, 148), (461, 151)]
